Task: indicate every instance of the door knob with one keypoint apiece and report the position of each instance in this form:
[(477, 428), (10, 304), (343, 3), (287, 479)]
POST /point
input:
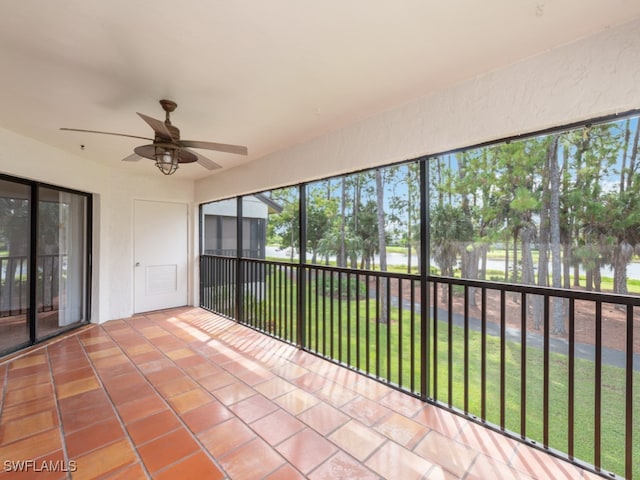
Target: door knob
[(137, 264)]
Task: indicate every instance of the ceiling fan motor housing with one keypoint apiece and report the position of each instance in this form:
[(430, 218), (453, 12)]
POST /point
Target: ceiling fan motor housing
[(174, 131)]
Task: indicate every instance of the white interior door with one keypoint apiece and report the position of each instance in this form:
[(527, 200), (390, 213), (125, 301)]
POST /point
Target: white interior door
[(160, 255)]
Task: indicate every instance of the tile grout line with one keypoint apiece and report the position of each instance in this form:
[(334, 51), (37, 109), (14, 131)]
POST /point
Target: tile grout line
[(287, 361), (165, 401), (377, 422), (239, 380), (338, 447), (121, 420), (113, 407), (471, 465), (412, 450), (63, 437), (5, 387), (249, 425), (10, 357)]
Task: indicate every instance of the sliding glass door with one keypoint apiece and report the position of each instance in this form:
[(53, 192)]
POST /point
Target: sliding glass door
[(15, 218), (44, 270), (61, 260)]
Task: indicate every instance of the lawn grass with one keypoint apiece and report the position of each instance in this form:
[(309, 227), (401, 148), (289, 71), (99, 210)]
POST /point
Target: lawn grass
[(613, 395), (347, 330)]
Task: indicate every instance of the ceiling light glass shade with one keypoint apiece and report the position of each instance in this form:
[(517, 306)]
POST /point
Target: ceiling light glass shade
[(167, 156), (167, 160)]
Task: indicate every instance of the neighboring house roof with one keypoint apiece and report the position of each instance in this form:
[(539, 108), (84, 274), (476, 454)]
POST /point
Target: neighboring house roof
[(273, 206)]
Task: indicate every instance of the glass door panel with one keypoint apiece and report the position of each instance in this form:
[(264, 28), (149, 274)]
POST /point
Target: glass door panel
[(15, 204), (61, 257)]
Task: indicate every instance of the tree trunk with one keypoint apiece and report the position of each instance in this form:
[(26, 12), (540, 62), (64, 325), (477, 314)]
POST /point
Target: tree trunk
[(576, 274), (625, 152), (506, 259), (356, 217), (382, 244), (576, 263), (566, 265), (526, 237), (8, 305), (515, 257), (597, 279), (622, 255), (470, 258), (554, 234), (568, 220), (438, 181), (634, 157), (544, 239), (16, 246), (292, 243), (409, 217), (342, 255)]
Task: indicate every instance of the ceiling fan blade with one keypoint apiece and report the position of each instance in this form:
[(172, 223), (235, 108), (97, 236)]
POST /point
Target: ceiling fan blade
[(204, 161), (132, 158), (105, 133), (220, 147), (158, 126)]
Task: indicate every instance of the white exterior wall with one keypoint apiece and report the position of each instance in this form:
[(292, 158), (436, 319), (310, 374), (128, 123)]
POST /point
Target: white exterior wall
[(254, 208), (222, 207), (114, 193), (251, 207), (596, 76)]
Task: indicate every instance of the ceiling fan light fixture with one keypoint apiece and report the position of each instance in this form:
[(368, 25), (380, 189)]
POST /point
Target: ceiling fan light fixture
[(167, 150), (167, 160)]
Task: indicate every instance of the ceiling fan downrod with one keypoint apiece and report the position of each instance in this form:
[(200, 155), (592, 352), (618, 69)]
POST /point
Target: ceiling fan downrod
[(168, 106)]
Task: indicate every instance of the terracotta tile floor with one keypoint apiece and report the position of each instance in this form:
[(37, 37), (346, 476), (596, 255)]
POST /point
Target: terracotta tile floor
[(183, 394)]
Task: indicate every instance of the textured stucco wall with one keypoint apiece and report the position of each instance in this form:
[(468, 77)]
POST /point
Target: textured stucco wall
[(596, 76), (114, 193)]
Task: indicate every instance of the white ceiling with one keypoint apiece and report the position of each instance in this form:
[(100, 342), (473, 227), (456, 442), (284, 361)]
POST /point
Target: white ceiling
[(262, 73)]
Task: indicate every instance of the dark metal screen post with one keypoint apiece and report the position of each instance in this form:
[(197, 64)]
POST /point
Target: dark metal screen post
[(33, 264), (483, 354), (239, 272), (545, 372), (203, 273), (301, 277), (629, 396), (425, 308), (465, 359), (503, 358), (571, 381), (89, 257), (597, 423), (523, 364)]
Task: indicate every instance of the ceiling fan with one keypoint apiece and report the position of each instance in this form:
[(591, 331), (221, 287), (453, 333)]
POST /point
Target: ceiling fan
[(166, 149)]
